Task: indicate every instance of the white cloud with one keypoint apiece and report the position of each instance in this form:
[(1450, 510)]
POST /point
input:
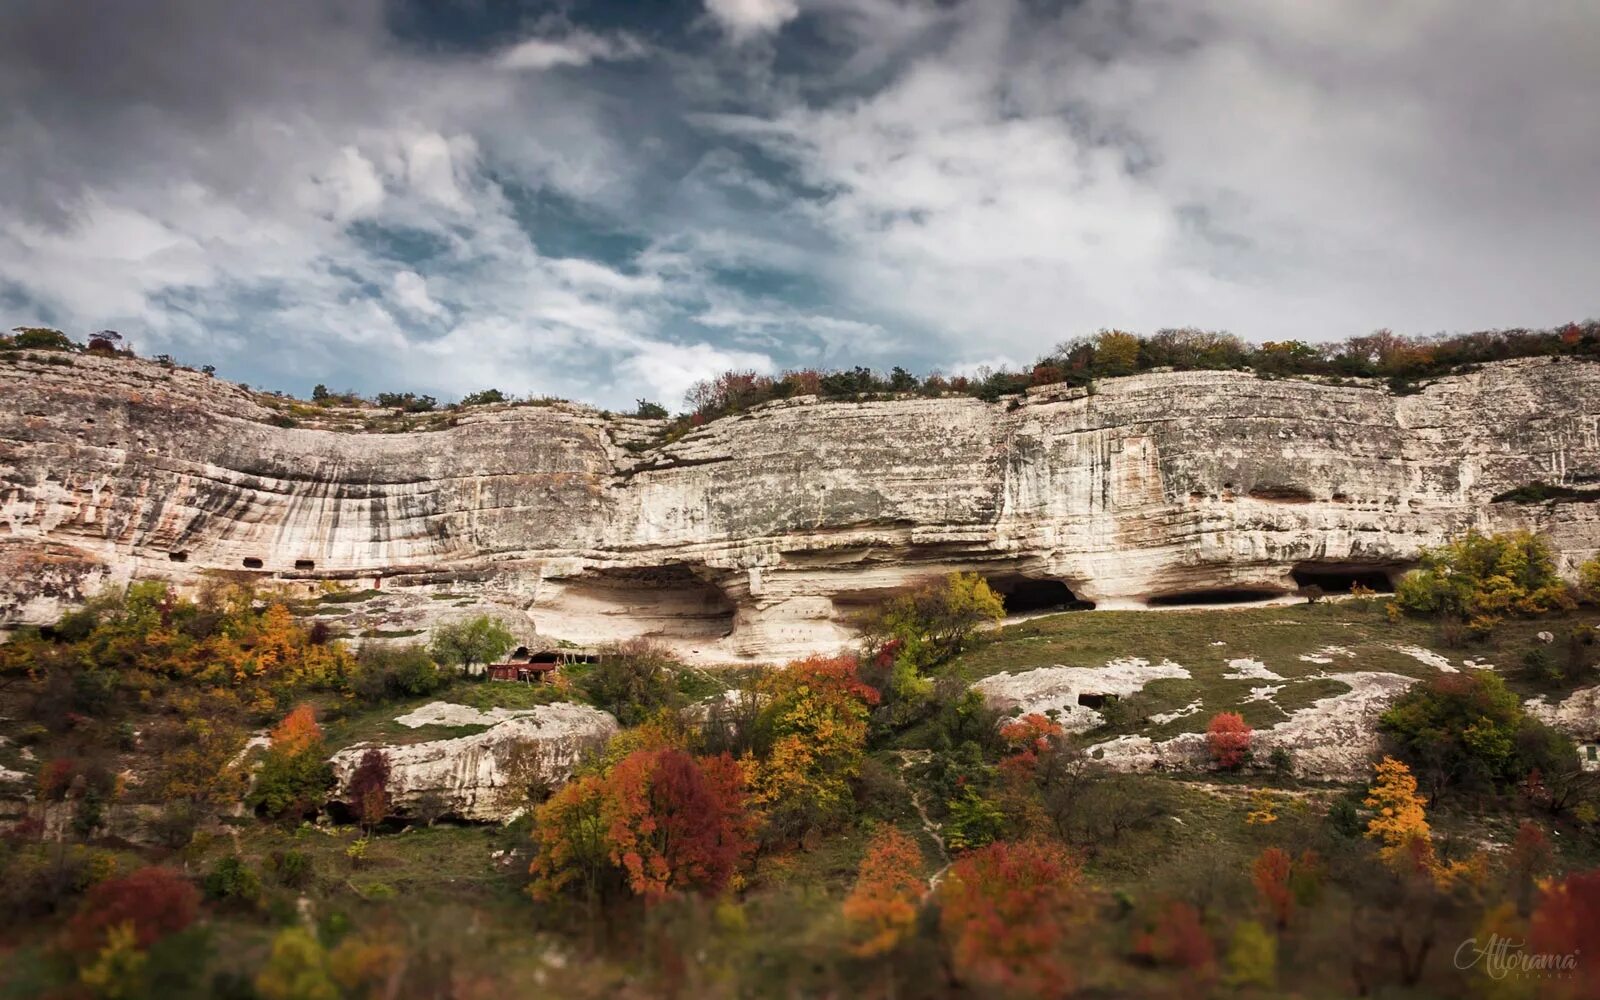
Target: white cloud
[(411, 292), (747, 19), (577, 49)]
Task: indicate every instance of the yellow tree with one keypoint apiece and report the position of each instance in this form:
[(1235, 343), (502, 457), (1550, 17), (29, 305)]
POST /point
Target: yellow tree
[(1401, 821)]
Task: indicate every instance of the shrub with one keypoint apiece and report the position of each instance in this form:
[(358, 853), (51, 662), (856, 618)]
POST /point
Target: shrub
[(1005, 912), (387, 673), (294, 869), (1468, 730), (369, 788), (1482, 578), (633, 680), (1228, 740), (156, 902), (233, 881), (294, 775)]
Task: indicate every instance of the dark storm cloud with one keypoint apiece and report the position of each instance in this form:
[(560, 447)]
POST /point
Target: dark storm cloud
[(605, 199)]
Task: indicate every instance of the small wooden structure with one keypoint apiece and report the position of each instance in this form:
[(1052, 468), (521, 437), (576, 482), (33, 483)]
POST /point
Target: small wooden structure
[(537, 668)]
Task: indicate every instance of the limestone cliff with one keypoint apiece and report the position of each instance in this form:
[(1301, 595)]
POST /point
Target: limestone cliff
[(757, 535)]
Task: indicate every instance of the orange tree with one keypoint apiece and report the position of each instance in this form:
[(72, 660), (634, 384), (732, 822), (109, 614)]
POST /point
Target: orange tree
[(1006, 911), (882, 908), (813, 729), (660, 822)]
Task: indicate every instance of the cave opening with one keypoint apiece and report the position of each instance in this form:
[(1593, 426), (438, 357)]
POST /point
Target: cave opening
[(1023, 595), (1219, 595), (178, 556), (251, 562), (1089, 699), (305, 564), (1342, 579)]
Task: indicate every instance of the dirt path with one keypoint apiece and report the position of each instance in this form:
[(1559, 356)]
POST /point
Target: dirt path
[(906, 758)]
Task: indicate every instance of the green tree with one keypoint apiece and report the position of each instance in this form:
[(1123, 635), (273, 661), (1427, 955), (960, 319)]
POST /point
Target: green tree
[(1468, 730), (471, 643), (633, 680), (297, 969), (1480, 579)]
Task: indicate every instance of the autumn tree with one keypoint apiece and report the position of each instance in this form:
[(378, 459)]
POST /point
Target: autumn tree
[(1270, 874), (676, 824), (1481, 579), (660, 821), (294, 773), (1228, 740), (1177, 937), (369, 788), (1566, 927), (154, 902), (935, 620), (1006, 913), (882, 908), (814, 730)]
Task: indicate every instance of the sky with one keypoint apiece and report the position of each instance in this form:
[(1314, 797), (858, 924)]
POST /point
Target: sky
[(606, 200)]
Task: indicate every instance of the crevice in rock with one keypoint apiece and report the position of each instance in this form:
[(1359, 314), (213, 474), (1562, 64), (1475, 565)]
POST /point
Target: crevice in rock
[(178, 556)]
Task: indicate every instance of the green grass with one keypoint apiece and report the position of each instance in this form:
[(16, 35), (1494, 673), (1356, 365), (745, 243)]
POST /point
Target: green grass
[(1276, 636), (347, 724), (350, 596)]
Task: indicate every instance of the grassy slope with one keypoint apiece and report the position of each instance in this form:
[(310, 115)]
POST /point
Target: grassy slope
[(1276, 636)]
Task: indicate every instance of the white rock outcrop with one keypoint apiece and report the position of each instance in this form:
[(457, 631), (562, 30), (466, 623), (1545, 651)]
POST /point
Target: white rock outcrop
[(466, 775), (1061, 691), (1333, 739), (757, 536)]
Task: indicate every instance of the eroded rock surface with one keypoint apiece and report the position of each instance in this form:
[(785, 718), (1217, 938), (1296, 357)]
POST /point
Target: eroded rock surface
[(1070, 695), (1333, 739), (466, 776), (756, 536)]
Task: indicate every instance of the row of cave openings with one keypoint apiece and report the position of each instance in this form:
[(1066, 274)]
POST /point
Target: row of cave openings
[(250, 562), (1028, 595)]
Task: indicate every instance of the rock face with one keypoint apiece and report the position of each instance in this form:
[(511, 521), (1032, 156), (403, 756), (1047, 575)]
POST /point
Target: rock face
[(756, 536), (466, 776)]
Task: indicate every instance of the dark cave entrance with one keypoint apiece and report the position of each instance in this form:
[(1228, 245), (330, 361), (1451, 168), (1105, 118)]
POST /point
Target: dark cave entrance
[(1024, 595), (1219, 595), (1335, 579)]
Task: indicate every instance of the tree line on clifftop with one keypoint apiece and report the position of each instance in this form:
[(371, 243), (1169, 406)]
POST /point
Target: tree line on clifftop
[(1399, 359)]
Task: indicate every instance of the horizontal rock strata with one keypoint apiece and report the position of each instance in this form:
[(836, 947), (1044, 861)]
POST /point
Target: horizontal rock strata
[(758, 536)]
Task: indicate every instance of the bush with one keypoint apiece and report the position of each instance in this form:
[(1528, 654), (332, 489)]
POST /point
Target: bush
[(933, 622), (634, 680), (293, 869), (1482, 578), (155, 901), (233, 881), (1469, 731), (1228, 740), (388, 673), (470, 643)]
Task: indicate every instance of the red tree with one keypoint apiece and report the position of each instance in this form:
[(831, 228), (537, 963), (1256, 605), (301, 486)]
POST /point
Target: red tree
[(676, 823), (1270, 873), (1567, 923), (155, 901), (1006, 911), (1178, 938), (369, 788), (1228, 739)]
